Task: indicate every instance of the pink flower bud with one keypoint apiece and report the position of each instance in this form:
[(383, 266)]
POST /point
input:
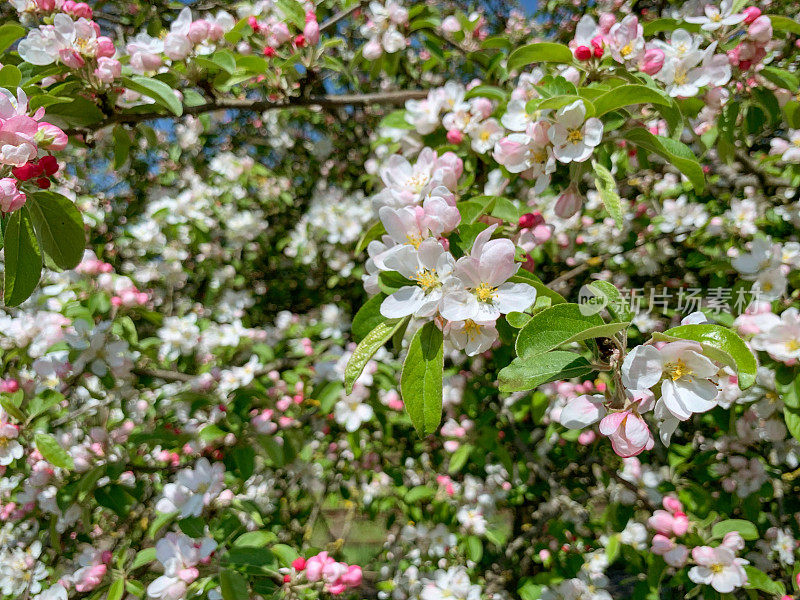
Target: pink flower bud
[(455, 136), (215, 31), (311, 32), (198, 31), (569, 202), (751, 13), (105, 47), (607, 20), (672, 504), (11, 199), (71, 58), (46, 5), (652, 61), (50, 137), (760, 30)]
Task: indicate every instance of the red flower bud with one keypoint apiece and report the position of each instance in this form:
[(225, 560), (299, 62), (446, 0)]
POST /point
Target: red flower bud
[(269, 51), (43, 182), (49, 164), (583, 53), (300, 41), (24, 172)]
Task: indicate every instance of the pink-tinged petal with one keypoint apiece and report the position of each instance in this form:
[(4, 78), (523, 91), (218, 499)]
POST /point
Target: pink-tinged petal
[(704, 555), (642, 368), (612, 422), (582, 411)]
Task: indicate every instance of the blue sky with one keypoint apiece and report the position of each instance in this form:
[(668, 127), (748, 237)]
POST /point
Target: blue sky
[(528, 5)]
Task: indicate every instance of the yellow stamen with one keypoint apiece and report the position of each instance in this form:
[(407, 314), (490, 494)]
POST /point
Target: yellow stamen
[(574, 135), (471, 328), (427, 279), (678, 370), (485, 292)]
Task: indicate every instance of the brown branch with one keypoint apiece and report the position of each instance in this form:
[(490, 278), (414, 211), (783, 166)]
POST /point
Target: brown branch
[(327, 101), (328, 23)]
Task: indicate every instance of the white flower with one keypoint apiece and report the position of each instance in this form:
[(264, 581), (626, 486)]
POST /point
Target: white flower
[(484, 134), (193, 489), (714, 17), (431, 268), (780, 337), (179, 554), (574, 137), (10, 448), (688, 379), (471, 336), (351, 412), (484, 293), (472, 519), (718, 567)]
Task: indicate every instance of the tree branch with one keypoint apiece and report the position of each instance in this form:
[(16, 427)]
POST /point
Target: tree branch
[(327, 101)]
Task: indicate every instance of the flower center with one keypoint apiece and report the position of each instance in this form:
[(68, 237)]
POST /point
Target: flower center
[(427, 279), (716, 18), (485, 135), (540, 156), (485, 292), (626, 49), (471, 328), (574, 136), (793, 345), (414, 239), (417, 182), (678, 370), (680, 76), (717, 568)]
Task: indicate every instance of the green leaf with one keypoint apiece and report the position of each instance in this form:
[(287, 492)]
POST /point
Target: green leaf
[(758, 580), (517, 319), (116, 589), (368, 317), (52, 451), (396, 120), (487, 91), (122, 146), (419, 494), (474, 208), (562, 324), (373, 233), (254, 539), (610, 298), (781, 77), (116, 498), (286, 554), (459, 458), (143, 557), (10, 33), (524, 276), (10, 76), (233, 586), (607, 188), (421, 380), (225, 60), (527, 372), (23, 266), (659, 25), (539, 52), (782, 23), (59, 225), (155, 89), (367, 348), (720, 344), (792, 418), (745, 528), (80, 112), (625, 95), (11, 403), (293, 11), (557, 102), (474, 548), (675, 152), (391, 281)]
